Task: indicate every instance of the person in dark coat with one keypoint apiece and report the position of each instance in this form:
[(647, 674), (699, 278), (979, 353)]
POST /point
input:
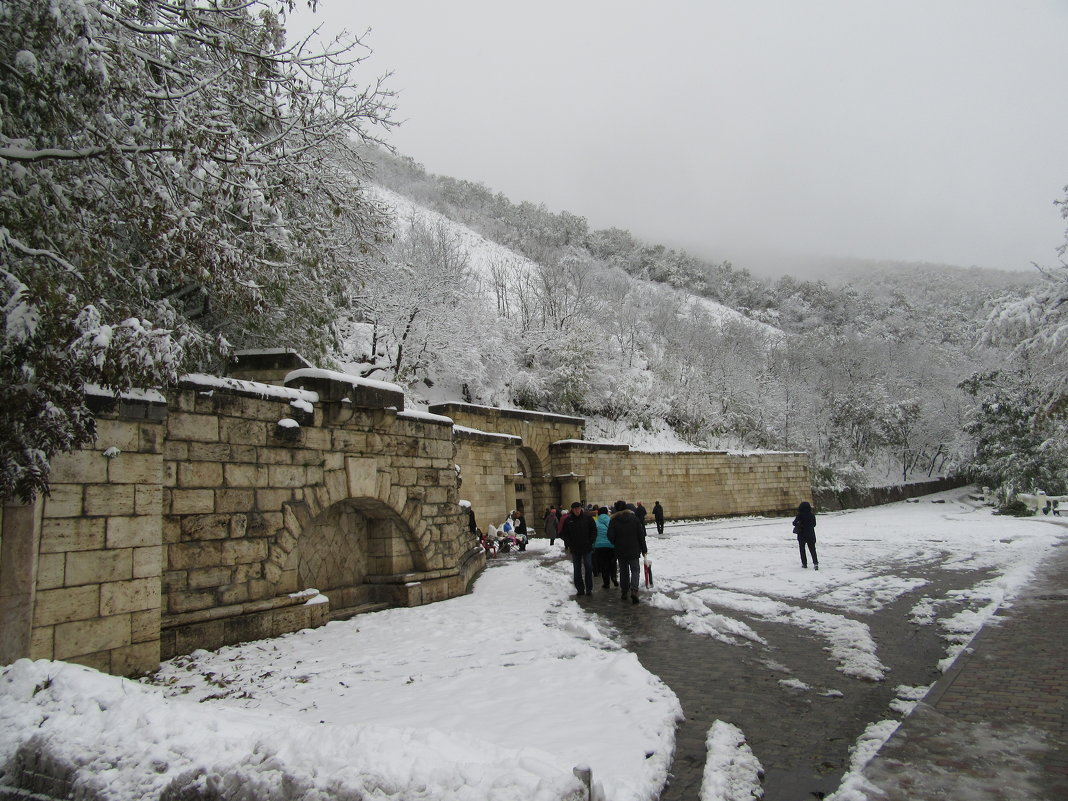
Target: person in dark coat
[(519, 523), (552, 522), (627, 535), (805, 529), (658, 516), (579, 533), (641, 511)]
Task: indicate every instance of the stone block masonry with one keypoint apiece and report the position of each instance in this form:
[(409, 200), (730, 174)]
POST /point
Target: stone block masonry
[(207, 515), (689, 484), (227, 510), (93, 548), (563, 467)]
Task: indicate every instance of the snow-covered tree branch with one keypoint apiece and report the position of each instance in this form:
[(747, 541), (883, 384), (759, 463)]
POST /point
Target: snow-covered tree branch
[(176, 177)]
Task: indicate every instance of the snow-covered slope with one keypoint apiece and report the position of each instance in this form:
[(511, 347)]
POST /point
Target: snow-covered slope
[(485, 255)]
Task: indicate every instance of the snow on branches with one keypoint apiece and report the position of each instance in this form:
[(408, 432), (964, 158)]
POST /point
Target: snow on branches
[(174, 177)]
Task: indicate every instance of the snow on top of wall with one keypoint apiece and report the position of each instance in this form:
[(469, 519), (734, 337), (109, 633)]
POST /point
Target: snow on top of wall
[(252, 387), (265, 352), (468, 430), (347, 378), (417, 414), (568, 417), (148, 395)]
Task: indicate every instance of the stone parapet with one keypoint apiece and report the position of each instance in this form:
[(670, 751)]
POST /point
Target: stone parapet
[(488, 464), (267, 366), (99, 551), (195, 515), (204, 516), (688, 484)]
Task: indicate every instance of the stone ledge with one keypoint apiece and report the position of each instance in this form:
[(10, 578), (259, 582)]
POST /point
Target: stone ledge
[(234, 610), (514, 414), (126, 407), (474, 435), (588, 447), (337, 387), (411, 578)]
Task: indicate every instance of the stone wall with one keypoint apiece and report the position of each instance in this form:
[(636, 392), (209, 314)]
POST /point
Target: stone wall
[(702, 484), (360, 497), (232, 510), (206, 517), (831, 500), (488, 466), (564, 468), (95, 598), (536, 433)]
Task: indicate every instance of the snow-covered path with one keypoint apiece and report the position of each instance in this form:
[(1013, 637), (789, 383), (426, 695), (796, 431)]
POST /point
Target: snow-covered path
[(499, 694)]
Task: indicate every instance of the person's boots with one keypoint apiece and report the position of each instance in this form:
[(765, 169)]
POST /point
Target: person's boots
[(623, 595), (634, 596)]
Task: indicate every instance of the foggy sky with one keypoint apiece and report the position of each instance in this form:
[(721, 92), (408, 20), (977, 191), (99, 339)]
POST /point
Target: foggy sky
[(749, 130)]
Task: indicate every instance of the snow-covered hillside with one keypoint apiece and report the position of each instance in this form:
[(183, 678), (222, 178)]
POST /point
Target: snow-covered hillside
[(485, 256)]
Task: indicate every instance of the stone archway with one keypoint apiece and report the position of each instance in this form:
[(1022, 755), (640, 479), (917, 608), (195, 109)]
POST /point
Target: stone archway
[(354, 551), (539, 492), (524, 483)]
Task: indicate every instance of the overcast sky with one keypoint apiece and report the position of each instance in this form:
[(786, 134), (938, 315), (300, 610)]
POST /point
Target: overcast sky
[(742, 129)]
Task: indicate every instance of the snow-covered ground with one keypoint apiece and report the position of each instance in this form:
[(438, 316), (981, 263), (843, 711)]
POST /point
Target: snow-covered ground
[(489, 696)]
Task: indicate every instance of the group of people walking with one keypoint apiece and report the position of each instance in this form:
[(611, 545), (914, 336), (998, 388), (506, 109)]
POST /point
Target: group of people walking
[(605, 543), (611, 543)]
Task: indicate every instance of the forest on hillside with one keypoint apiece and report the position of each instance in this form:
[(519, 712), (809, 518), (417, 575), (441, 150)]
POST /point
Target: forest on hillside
[(872, 370), (179, 181)]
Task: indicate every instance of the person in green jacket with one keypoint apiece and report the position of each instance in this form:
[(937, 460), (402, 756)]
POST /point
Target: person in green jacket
[(604, 553)]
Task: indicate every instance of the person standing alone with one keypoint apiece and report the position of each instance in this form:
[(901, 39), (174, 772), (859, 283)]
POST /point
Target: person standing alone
[(805, 529), (658, 516), (627, 534), (552, 522), (579, 533)]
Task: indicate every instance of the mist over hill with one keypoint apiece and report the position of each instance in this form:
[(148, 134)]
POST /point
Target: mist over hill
[(483, 299), (149, 234)]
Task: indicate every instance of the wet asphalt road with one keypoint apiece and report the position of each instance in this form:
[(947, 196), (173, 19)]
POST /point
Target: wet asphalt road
[(801, 737)]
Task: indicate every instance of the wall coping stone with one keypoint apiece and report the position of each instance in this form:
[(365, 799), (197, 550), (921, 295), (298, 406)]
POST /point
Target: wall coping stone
[(365, 393), (409, 578), (517, 414), (424, 417), (135, 405), (233, 610), (584, 445), (463, 432), (268, 359), (242, 388)]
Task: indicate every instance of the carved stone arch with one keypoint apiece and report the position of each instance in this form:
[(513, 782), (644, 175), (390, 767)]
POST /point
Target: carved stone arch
[(527, 483), (350, 551), (350, 546)]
